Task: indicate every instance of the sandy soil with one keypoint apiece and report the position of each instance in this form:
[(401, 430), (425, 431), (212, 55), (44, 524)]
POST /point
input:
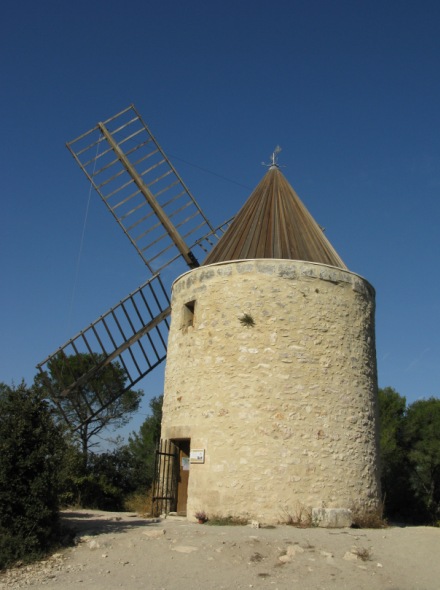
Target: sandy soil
[(120, 550)]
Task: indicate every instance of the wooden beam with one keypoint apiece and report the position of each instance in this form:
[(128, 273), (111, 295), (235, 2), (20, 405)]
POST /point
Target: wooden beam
[(162, 216)]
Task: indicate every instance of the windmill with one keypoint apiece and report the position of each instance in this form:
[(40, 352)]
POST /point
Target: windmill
[(143, 191), (271, 386)]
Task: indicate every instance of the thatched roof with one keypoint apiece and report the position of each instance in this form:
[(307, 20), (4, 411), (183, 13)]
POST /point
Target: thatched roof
[(274, 223)]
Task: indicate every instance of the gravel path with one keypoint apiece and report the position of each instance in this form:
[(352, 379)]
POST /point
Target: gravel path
[(119, 550)]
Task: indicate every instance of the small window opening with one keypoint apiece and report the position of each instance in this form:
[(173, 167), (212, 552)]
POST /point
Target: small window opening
[(188, 314)]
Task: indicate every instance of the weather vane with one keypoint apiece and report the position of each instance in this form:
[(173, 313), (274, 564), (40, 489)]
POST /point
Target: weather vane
[(274, 159)]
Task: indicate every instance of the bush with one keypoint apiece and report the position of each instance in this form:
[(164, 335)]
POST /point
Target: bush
[(30, 455), (102, 484)]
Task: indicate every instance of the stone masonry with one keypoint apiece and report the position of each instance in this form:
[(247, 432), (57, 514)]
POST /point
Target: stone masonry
[(271, 370)]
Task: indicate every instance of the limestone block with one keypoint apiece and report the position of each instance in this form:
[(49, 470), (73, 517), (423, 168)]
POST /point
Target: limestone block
[(332, 517)]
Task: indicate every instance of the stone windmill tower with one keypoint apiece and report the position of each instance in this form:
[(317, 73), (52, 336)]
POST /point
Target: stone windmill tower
[(269, 401), (271, 383)]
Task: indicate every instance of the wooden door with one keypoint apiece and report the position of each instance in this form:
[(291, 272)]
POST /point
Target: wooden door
[(182, 485)]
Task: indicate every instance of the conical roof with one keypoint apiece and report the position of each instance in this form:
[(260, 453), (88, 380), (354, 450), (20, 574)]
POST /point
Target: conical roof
[(274, 223)]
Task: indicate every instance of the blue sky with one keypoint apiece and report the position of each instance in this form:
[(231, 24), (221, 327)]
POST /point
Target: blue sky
[(349, 89)]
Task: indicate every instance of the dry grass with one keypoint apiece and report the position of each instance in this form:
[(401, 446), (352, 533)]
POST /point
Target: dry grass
[(362, 552), (368, 519), (217, 520), (300, 517), (140, 502)]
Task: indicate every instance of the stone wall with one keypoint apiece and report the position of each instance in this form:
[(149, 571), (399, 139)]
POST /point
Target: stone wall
[(271, 370)]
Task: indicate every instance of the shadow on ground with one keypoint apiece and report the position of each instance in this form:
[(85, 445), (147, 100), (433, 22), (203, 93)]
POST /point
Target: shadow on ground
[(90, 523)]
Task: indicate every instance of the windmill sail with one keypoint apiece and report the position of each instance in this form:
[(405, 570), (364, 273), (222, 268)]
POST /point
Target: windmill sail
[(132, 336), (142, 189)]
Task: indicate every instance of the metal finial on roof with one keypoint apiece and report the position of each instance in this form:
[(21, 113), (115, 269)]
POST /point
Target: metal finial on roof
[(273, 158)]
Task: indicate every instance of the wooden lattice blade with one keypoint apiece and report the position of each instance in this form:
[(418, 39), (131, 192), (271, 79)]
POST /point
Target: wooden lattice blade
[(142, 189), (131, 337)]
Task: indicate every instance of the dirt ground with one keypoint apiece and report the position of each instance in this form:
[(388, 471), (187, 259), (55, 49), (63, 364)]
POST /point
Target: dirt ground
[(121, 550)]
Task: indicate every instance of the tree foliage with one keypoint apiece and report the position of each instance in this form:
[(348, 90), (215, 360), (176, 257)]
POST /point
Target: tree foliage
[(142, 445), (392, 407), (98, 403), (421, 439), (110, 477), (410, 455), (103, 484), (31, 449), (397, 495)]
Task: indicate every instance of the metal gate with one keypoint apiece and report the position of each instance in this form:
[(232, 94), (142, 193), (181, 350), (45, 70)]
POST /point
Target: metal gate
[(166, 477)]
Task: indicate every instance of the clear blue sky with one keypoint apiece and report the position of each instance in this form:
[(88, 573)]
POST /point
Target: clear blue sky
[(349, 89)]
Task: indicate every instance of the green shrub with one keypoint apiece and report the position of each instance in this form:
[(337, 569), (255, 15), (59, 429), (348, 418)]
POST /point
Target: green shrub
[(103, 483), (30, 454)]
